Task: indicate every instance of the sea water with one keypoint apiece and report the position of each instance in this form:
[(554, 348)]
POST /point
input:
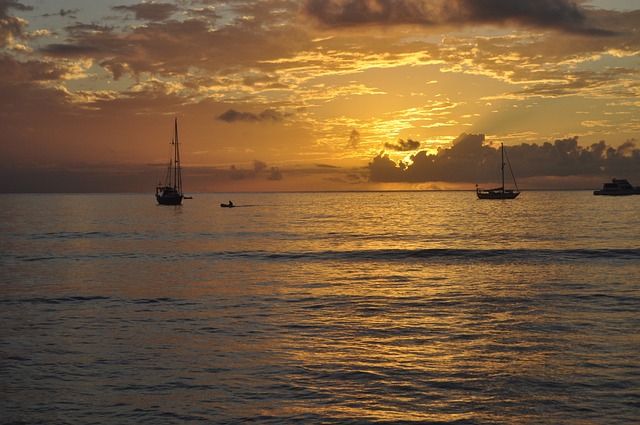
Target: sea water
[(375, 307)]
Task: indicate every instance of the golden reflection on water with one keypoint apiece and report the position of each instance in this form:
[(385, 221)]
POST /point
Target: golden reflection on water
[(370, 306), (422, 330)]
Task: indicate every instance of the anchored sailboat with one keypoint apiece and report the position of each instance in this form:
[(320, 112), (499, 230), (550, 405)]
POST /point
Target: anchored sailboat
[(500, 192), (171, 192)]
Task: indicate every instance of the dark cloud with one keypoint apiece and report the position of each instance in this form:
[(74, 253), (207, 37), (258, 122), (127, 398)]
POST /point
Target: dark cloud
[(560, 14), (169, 47), (117, 69), (79, 29), (259, 166), (261, 80), (10, 26), (69, 50), (260, 169), (14, 71), (149, 11), (354, 138), (267, 115), (403, 145), (275, 174), (63, 13), (471, 160), (70, 12), (237, 173), (5, 5)]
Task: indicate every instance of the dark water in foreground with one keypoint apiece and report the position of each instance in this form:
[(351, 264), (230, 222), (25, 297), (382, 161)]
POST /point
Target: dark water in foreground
[(429, 307)]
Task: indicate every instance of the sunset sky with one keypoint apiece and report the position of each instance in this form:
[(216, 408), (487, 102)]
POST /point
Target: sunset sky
[(286, 95)]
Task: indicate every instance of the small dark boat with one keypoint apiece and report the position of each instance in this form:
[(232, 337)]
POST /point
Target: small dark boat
[(618, 187), (497, 193), (171, 192), (500, 192), (229, 205)]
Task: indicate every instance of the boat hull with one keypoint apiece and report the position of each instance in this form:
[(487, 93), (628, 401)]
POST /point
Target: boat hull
[(227, 205), (497, 195), (169, 199), (608, 193)]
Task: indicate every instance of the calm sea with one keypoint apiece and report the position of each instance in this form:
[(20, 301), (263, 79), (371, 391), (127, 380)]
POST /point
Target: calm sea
[(355, 308)]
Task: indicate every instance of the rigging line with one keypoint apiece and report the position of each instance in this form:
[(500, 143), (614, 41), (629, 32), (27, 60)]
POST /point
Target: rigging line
[(510, 169), (168, 173)]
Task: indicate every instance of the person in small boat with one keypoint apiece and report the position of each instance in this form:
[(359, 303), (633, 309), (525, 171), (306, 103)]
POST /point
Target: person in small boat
[(230, 203)]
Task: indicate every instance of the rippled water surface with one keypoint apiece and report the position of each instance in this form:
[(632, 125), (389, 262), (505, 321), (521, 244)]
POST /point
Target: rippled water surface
[(384, 307)]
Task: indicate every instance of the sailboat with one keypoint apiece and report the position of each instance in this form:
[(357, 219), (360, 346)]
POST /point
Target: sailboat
[(170, 193), (500, 192)]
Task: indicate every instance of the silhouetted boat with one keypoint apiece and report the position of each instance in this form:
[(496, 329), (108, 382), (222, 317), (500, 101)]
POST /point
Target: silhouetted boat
[(618, 187), (500, 192), (229, 205), (171, 192)]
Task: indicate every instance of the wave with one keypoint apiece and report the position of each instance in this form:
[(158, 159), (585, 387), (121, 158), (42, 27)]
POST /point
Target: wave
[(71, 235), (89, 299), (442, 255), (445, 254)]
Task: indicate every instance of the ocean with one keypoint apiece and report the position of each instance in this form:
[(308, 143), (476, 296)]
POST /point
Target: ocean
[(320, 308)]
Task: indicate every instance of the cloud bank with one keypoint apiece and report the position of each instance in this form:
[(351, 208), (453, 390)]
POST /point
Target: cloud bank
[(11, 27), (149, 11), (563, 15), (268, 115), (470, 159), (403, 145)]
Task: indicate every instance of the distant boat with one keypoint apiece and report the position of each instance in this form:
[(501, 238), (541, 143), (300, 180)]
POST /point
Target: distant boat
[(500, 192), (618, 187), (171, 192), (229, 205)]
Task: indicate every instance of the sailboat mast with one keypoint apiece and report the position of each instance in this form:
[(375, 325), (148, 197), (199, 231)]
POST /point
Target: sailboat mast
[(502, 161), (177, 175), (175, 161), (175, 156)]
